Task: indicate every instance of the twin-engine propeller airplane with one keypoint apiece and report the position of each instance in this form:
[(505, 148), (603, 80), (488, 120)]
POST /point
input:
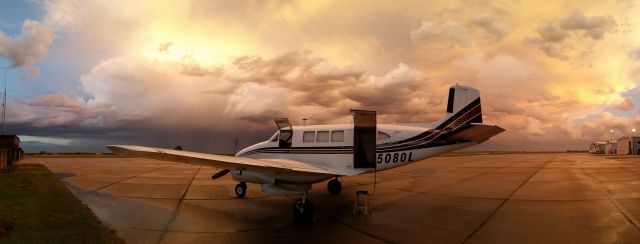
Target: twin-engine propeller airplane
[(296, 157)]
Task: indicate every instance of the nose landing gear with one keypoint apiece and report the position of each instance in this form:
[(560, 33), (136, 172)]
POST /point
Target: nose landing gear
[(303, 210)]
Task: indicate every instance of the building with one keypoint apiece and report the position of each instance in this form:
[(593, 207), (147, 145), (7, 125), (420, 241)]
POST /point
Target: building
[(629, 145), (9, 150), (597, 147), (611, 147)]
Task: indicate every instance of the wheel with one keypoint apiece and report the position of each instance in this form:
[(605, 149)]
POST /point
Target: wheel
[(334, 187), (303, 212), (241, 189)]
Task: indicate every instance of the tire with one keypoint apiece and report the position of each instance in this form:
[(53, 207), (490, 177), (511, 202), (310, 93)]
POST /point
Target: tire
[(303, 213), (241, 190), (334, 187)]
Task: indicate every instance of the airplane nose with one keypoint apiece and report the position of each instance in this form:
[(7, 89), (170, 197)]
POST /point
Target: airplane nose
[(248, 149)]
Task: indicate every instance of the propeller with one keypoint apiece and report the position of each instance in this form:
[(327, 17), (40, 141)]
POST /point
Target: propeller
[(220, 174)]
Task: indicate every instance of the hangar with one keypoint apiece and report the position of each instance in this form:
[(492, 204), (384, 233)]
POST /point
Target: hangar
[(629, 145), (597, 147)]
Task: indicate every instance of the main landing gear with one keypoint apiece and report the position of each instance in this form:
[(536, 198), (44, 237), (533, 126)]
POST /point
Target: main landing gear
[(303, 210), (334, 186), (241, 189)]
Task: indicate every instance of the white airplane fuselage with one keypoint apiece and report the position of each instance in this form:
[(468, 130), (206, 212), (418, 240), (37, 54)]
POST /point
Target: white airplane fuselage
[(332, 146), (391, 152)]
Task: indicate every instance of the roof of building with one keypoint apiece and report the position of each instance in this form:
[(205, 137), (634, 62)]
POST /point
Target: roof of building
[(11, 140), (627, 137)]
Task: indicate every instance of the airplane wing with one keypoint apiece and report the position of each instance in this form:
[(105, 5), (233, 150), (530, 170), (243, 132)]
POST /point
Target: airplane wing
[(220, 161), (477, 133)]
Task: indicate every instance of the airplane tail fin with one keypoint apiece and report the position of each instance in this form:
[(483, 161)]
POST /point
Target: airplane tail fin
[(463, 108)]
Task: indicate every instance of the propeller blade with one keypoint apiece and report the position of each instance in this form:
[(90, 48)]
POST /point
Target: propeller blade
[(220, 174)]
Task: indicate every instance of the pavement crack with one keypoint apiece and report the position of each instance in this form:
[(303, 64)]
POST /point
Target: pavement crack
[(118, 182), (360, 231), (175, 212), (505, 201), (613, 201)]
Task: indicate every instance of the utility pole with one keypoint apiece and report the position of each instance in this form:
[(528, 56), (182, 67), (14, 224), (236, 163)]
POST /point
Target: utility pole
[(4, 101)]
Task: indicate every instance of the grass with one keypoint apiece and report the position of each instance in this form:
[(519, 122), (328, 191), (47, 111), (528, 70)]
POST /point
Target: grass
[(35, 207)]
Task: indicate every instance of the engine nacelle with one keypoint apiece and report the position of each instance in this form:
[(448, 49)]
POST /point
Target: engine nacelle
[(253, 177)]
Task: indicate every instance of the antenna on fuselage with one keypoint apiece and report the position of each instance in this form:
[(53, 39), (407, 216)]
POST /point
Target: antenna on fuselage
[(235, 147)]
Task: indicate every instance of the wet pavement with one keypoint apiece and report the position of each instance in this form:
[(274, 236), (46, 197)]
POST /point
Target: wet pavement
[(507, 198)]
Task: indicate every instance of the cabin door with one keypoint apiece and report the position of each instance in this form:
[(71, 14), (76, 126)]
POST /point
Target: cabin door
[(364, 139), (286, 132)]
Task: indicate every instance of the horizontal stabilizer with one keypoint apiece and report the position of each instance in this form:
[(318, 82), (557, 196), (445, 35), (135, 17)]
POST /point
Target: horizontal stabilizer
[(477, 133)]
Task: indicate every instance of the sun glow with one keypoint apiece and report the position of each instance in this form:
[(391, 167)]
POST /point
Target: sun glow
[(199, 52), (191, 45)]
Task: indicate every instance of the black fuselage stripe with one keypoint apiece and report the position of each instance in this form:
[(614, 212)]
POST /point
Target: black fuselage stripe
[(425, 146), (426, 139), (419, 144)]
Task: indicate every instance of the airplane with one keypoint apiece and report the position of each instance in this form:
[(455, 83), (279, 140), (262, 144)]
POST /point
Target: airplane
[(295, 157)]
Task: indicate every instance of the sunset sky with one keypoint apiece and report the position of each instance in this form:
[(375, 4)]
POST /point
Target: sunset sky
[(555, 74)]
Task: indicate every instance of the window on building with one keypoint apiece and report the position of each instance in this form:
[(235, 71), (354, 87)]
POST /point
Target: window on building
[(382, 135), (308, 136), (322, 136), (337, 136)]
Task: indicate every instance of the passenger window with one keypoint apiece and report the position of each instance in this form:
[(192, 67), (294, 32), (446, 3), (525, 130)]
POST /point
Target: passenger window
[(337, 136), (382, 135), (322, 136), (308, 136)]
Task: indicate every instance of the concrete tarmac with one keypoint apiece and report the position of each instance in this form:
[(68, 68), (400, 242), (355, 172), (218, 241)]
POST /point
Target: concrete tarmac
[(507, 198)]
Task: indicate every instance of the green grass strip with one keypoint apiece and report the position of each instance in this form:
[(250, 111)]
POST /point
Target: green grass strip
[(35, 207)]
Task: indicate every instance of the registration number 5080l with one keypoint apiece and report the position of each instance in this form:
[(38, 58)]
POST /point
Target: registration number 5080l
[(394, 157)]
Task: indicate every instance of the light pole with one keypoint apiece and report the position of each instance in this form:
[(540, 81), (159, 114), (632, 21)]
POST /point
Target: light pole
[(611, 137), (634, 131)]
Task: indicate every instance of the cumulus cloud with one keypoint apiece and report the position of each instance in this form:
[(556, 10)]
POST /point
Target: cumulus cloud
[(57, 100), (207, 66), (551, 35), (393, 89), (626, 104), (31, 45), (259, 102), (635, 54), (495, 29), (459, 33), (249, 91), (594, 27), (301, 85), (447, 34)]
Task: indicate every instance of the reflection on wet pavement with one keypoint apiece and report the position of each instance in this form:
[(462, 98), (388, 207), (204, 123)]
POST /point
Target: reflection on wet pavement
[(482, 198)]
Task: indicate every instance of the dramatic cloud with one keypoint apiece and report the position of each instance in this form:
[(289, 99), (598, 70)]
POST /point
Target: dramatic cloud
[(56, 101), (552, 35), (163, 70), (626, 105), (32, 44), (635, 54), (447, 34), (594, 27)]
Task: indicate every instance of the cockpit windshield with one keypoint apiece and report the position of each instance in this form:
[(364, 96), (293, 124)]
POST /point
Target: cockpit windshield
[(274, 138)]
